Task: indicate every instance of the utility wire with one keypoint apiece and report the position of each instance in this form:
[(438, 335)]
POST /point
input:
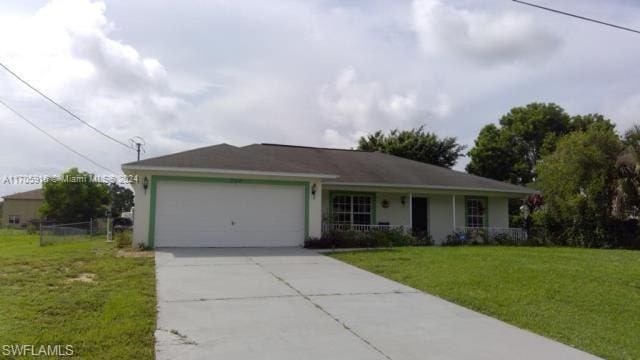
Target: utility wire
[(55, 139), (578, 16), (64, 108)]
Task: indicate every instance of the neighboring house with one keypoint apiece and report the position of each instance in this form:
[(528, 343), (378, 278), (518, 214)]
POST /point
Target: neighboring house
[(278, 195), (21, 208)]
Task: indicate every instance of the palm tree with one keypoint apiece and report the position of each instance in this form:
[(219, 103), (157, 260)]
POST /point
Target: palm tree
[(626, 201)]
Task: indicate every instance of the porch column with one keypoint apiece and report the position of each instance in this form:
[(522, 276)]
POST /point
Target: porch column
[(453, 203)]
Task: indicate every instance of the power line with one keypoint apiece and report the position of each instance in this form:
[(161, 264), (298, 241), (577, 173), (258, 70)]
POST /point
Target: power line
[(63, 108), (55, 139), (578, 16)]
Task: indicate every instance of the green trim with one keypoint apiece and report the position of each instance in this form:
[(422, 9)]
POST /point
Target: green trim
[(374, 202), (485, 202), (156, 178)]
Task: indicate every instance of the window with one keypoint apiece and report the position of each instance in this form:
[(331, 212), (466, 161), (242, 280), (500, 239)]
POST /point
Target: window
[(476, 213), (351, 209), (14, 219)]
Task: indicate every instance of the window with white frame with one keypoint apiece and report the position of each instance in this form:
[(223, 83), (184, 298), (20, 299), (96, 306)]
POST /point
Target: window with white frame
[(351, 209), (14, 219), (476, 213)]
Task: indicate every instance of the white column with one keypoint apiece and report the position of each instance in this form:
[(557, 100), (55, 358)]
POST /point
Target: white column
[(453, 200)]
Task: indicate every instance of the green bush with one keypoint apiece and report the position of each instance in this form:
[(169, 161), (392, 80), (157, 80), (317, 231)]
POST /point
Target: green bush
[(336, 239), (421, 238), (123, 238), (467, 237), (32, 229)]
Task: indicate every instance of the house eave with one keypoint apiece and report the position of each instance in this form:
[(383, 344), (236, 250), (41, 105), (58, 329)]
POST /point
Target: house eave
[(143, 168), (522, 192)]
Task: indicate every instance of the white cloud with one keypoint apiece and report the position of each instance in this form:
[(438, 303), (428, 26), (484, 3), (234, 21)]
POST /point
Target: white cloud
[(318, 73), (353, 108), (625, 111), (65, 50), (480, 36)]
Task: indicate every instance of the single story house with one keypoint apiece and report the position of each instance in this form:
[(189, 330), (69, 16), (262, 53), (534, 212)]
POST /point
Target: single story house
[(279, 195), (22, 208)]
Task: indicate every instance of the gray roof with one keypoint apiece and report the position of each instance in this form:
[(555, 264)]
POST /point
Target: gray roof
[(224, 156), (350, 166), (35, 194)]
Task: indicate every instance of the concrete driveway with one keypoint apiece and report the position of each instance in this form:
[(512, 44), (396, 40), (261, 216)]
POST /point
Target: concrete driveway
[(291, 303)]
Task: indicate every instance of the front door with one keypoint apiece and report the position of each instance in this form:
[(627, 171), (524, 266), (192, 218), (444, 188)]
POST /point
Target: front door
[(419, 214)]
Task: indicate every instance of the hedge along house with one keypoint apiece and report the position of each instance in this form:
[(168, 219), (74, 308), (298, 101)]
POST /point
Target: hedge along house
[(278, 195)]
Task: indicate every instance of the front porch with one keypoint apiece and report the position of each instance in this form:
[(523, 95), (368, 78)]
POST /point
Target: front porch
[(437, 213)]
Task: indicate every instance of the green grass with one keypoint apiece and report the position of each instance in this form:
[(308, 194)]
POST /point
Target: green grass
[(112, 317), (586, 298)]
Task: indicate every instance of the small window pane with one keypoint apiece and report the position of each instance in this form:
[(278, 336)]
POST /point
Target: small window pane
[(475, 212), (351, 209)]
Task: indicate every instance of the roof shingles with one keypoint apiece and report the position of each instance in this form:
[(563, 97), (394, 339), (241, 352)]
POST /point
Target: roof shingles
[(35, 194), (350, 166)]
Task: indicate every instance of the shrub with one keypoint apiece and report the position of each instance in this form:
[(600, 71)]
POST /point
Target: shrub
[(503, 239), (625, 233), (123, 238), (422, 238), (477, 237), (455, 239), (467, 237), (334, 239), (32, 229)]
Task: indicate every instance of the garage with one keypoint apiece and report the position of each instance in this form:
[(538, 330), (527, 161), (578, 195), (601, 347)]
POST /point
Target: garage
[(228, 214)]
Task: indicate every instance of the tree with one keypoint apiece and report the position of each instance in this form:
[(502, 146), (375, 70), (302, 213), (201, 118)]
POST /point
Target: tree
[(577, 181), (121, 199), (415, 144), (493, 155), (627, 196), (511, 152), (74, 197)]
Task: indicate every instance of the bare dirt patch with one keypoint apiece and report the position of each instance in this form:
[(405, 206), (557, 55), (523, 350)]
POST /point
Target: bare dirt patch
[(135, 253), (83, 277)]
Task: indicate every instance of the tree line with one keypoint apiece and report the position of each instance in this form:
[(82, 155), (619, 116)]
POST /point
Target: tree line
[(588, 175)]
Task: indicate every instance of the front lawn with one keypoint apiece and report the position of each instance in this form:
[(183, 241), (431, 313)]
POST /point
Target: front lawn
[(78, 293), (586, 298)]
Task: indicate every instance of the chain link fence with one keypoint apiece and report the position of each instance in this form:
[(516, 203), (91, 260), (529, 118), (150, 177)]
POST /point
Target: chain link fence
[(77, 231)]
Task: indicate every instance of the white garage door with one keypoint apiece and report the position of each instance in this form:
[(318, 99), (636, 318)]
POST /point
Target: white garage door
[(228, 215)]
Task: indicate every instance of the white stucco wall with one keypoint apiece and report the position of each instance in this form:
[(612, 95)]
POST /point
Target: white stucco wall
[(440, 209), (499, 212), (396, 213), (440, 216), (142, 200), (439, 202), (315, 210), (141, 211)]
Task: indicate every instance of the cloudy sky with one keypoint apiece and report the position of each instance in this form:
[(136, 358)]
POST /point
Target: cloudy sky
[(184, 74)]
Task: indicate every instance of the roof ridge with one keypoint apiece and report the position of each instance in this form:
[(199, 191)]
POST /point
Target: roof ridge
[(181, 153), (310, 147), (241, 149)]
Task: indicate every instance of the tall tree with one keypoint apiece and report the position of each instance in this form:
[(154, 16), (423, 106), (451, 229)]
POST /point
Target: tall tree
[(74, 197), (577, 181), (415, 144), (121, 199), (627, 196), (511, 152)]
